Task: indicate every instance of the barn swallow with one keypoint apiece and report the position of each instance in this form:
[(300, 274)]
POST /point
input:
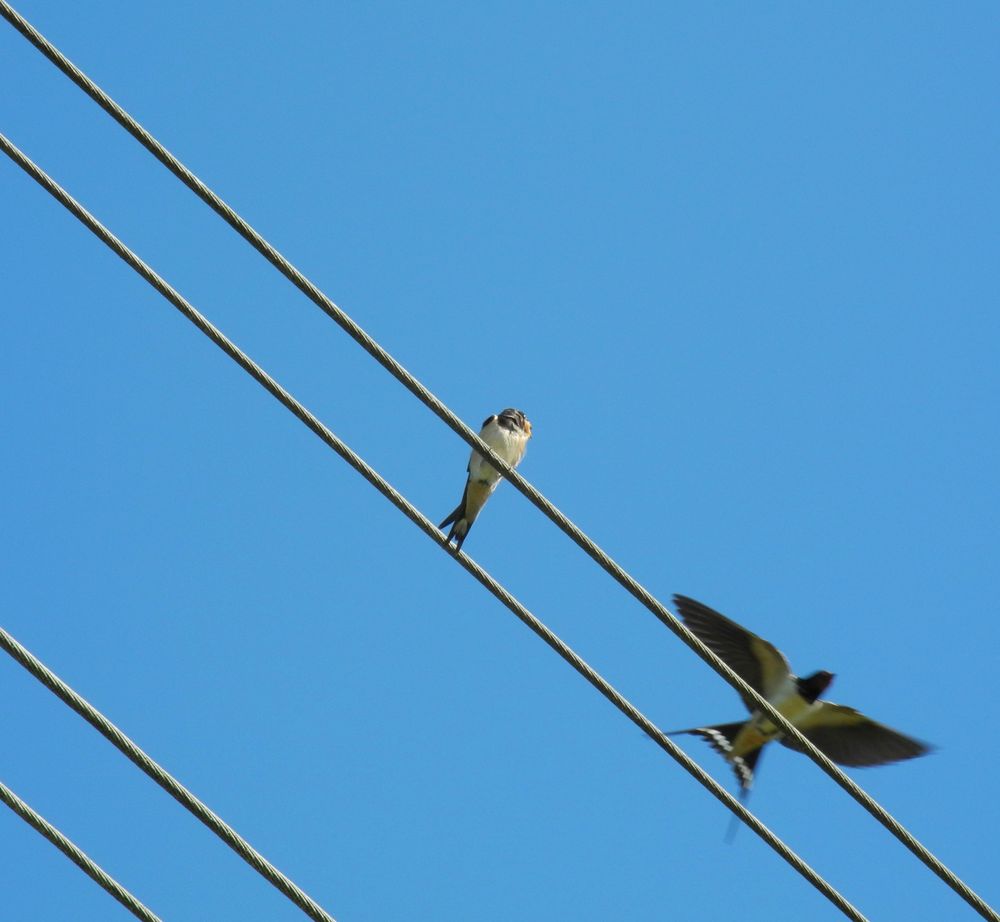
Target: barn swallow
[(841, 733), (507, 433)]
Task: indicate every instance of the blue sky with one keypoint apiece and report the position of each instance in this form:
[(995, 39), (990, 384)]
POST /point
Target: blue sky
[(737, 264)]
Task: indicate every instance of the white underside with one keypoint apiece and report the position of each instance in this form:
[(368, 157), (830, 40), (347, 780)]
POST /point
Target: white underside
[(508, 445)]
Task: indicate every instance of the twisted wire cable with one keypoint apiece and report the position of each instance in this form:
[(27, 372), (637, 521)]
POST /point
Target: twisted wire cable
[(89, 867), (161, 776)]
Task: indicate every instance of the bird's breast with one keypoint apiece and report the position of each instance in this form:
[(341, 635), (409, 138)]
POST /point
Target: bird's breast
[(508, 445), (760, 729), (793, 708)]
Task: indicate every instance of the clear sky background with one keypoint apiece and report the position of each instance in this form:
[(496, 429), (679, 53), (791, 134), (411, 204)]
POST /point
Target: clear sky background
[(737, 263)]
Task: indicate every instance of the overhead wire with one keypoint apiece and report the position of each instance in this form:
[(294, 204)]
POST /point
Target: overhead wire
[(587, 544), (415, 516), (75, 854), (161, 776)]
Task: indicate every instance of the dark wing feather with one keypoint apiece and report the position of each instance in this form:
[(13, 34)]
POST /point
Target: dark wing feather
[(847, 737), (759, 663)]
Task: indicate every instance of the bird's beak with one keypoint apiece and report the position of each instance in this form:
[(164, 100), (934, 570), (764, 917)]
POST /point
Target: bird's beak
[(527, 428)]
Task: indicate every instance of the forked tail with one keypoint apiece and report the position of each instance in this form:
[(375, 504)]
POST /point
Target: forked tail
[(720, 737)]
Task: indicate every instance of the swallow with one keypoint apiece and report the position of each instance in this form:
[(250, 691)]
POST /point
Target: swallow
[(843, 734), (507, 433)]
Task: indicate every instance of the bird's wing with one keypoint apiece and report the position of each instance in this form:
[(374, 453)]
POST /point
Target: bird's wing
[(483, 432), (849, 738), (759, 663)]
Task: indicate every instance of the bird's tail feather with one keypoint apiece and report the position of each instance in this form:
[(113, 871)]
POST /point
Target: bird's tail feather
[(460, 525), (720, 737), (453, 516), (734, 820), (750, 763)]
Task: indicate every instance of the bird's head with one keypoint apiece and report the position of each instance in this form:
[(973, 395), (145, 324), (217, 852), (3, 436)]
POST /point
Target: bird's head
[(812, 686), (514, 419)]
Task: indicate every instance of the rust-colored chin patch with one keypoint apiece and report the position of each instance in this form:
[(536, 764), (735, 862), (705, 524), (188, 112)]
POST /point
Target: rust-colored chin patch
[(527, 428)]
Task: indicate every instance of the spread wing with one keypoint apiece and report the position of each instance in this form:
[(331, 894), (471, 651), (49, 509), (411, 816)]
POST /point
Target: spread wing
[(759, 663), (849, 738)]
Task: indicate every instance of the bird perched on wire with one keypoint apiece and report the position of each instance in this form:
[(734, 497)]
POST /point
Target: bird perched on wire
[(507, 433), (843, 734)]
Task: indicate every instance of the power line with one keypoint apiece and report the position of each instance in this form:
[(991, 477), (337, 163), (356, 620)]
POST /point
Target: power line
[(160, 775), (414, 515), (590, 547), (78, 857)]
